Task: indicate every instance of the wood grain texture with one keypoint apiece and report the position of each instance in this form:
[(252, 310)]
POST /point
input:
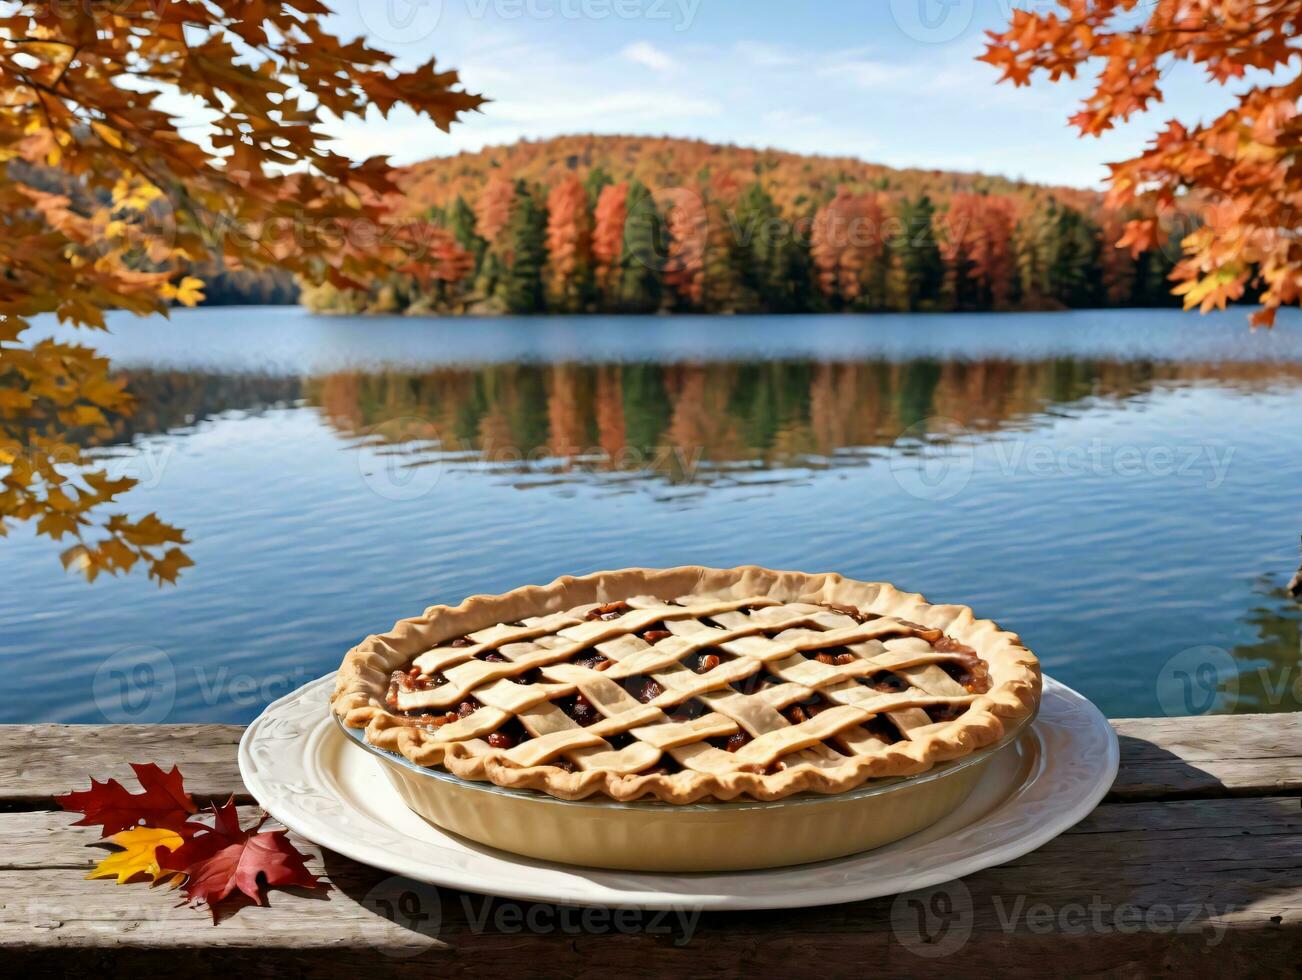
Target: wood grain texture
[(1193, 864), (38, 762), (1209, 756), (1142, 887)]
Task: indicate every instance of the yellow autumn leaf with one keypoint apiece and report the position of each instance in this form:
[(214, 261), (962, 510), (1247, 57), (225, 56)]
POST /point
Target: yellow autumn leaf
[(188, 292), (108, 135), (134, 194), (138, 855)]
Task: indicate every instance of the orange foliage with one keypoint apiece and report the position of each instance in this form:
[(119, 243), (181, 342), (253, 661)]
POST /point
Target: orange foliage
[(848, 240), (569, 242), (608, 236), (493, 210), (689, 230), (976, 241), (1243, 164), (108, 203), (797, 182)]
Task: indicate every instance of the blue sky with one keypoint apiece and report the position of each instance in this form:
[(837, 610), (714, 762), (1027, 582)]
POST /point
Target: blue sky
[(891, 81)]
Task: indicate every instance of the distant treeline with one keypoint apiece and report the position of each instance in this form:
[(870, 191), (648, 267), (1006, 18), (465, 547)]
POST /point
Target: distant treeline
[(594, 245), (617, 225)]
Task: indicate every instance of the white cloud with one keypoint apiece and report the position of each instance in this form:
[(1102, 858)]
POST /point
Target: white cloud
[(866, 73), (645, 53), (763, 55)]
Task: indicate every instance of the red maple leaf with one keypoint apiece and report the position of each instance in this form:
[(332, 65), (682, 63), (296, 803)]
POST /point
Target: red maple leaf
[(225, 858), (164, 804)]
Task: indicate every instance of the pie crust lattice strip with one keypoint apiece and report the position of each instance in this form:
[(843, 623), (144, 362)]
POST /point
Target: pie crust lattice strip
[(750, 683)]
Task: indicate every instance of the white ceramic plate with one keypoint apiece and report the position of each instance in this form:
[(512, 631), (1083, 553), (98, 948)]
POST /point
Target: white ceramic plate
[(307, 775)]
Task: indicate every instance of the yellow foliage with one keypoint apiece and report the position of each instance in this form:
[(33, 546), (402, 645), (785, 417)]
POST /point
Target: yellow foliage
[(139, 856), (136, 201)]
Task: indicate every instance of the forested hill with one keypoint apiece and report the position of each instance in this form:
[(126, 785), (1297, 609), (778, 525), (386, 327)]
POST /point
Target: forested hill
[(636, 224)]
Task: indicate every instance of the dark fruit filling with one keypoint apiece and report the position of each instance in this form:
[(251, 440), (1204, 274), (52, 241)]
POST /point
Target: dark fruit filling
[(806, 709), (972, 672), (882, 728), (508, 736), (887, 683), (851, 611), (835, 657), (406, 680), (967, 669), (701, 663), (736, 740), (945, 712), (580, 709), (644, 689), (689, 710), (667, 766), (611, 610)]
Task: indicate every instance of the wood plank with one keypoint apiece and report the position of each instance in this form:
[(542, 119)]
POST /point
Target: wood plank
[(1161, 758), (1209, 756), (38, 762), (1135, 888)]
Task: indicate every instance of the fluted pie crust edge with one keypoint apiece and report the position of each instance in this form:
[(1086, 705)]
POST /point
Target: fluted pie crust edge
[(1013, 696)]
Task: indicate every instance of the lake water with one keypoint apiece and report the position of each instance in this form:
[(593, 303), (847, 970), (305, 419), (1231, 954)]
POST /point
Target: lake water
[(1123, 488)]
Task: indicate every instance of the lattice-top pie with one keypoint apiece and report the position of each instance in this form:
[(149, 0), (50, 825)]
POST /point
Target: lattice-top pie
[(688, 684)]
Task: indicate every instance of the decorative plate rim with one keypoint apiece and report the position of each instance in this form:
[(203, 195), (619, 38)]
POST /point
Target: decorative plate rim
[(1079, 762)]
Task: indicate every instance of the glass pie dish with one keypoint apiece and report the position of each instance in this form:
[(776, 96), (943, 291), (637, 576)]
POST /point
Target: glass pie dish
[(688, 719), (650, 835)]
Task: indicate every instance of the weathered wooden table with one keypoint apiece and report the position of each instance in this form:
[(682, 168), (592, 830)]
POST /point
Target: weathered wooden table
[(1193, 864)]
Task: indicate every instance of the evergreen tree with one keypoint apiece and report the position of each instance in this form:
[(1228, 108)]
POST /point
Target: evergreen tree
[(527, 237), (460, 220), (1058, 258), (642, 264), (596, 181), (1077, 273), (774, 266), (723, 288), (916, 270)]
